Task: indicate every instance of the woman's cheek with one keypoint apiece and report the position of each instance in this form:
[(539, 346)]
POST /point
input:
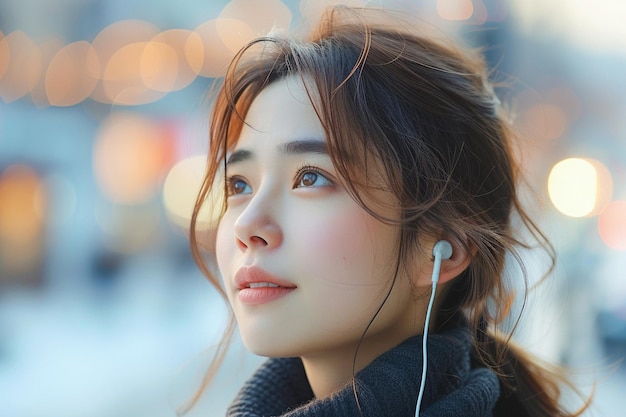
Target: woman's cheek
[(225, 248), (339, 244)]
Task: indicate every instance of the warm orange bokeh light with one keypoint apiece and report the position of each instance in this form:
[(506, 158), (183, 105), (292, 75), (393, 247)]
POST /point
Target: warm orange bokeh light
[(234, 33), (180, 189), (72, 74), (158, 66), (455, 9), (612, 225), (122, 81), (566, 99), (21, 223), (48, 49), (480, 13), (208, 48), (130, 62), (193, 51), (24, 67), (131, 156), (5, 56), (214, 43), (122, 33), (164, 64), (544, 121), (19, 215), (122, 77)]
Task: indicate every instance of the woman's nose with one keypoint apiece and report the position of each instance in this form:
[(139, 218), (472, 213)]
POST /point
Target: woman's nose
[(256, 229)]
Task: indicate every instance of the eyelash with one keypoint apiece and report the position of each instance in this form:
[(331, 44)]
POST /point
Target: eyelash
[(229, 186), (304, 169)]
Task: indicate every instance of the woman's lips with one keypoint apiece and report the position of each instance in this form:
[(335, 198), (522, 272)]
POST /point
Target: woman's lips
[(262, 295), (257, 286)]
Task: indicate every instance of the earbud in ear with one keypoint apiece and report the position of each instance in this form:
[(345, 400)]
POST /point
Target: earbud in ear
[(442, 250)]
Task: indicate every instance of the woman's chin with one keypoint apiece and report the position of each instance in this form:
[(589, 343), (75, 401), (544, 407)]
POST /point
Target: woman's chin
[(266, 347)]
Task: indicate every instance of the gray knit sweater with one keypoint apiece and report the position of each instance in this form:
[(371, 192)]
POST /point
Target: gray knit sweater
[(387, 387)]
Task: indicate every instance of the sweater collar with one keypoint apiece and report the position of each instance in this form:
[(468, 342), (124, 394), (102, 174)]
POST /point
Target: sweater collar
[(386, 387)]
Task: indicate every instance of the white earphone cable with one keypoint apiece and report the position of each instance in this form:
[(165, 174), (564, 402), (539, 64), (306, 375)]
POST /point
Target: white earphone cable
[(441, 250), (424, 349)]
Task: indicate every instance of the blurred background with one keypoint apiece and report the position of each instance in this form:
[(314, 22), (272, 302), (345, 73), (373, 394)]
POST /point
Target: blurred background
[(103, 124)]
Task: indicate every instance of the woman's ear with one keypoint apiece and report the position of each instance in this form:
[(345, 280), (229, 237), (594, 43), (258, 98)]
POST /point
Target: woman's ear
[(450, 268), (458, 261)]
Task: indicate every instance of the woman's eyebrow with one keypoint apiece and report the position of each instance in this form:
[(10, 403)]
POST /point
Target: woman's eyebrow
[(239, 156), (303, 146), (294, 147)]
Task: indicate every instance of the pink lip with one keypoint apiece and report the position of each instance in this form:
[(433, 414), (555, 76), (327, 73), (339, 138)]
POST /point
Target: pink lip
[(260, 295)]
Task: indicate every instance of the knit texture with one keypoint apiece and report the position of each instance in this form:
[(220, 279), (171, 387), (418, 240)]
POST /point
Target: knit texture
[(387, 387)]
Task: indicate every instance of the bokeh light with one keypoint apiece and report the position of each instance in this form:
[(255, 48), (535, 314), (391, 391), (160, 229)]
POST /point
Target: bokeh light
[(48, 50), (565, 98), (209, 48), (5, 56), (24, 66), (123, 80), (544, 121), (72, 74), (455, 9), (598, 26), (21, 222), (180, 190), (193, 52), (19, 212), (158, 66), (612, 225), (130, 62), (121, 33), (480, 14), (119, 47), (164, 64), (580, 187), (234, 33), (131, 156), (212, 45)]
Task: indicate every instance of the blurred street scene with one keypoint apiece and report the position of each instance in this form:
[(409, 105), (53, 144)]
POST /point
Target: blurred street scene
[(103, 126)]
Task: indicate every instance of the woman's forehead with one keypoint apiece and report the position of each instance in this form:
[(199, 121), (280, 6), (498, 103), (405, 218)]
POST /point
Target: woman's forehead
[(282, 111)]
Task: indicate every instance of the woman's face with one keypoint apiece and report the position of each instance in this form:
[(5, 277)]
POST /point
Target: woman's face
[(304, 266)]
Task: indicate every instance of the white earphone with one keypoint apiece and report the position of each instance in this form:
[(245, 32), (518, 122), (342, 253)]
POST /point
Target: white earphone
[(442, 250)]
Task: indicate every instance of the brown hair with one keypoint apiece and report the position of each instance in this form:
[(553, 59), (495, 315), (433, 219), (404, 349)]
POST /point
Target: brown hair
[(423, 111)]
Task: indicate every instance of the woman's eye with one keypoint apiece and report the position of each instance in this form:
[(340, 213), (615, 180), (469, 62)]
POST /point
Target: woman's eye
[(237, 186), (311, 178)]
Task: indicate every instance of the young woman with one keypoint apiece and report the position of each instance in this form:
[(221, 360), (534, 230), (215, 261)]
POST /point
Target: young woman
[(344, 158)]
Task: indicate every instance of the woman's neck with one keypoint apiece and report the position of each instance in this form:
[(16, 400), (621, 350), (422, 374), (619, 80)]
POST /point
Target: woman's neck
[(328, 372)]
